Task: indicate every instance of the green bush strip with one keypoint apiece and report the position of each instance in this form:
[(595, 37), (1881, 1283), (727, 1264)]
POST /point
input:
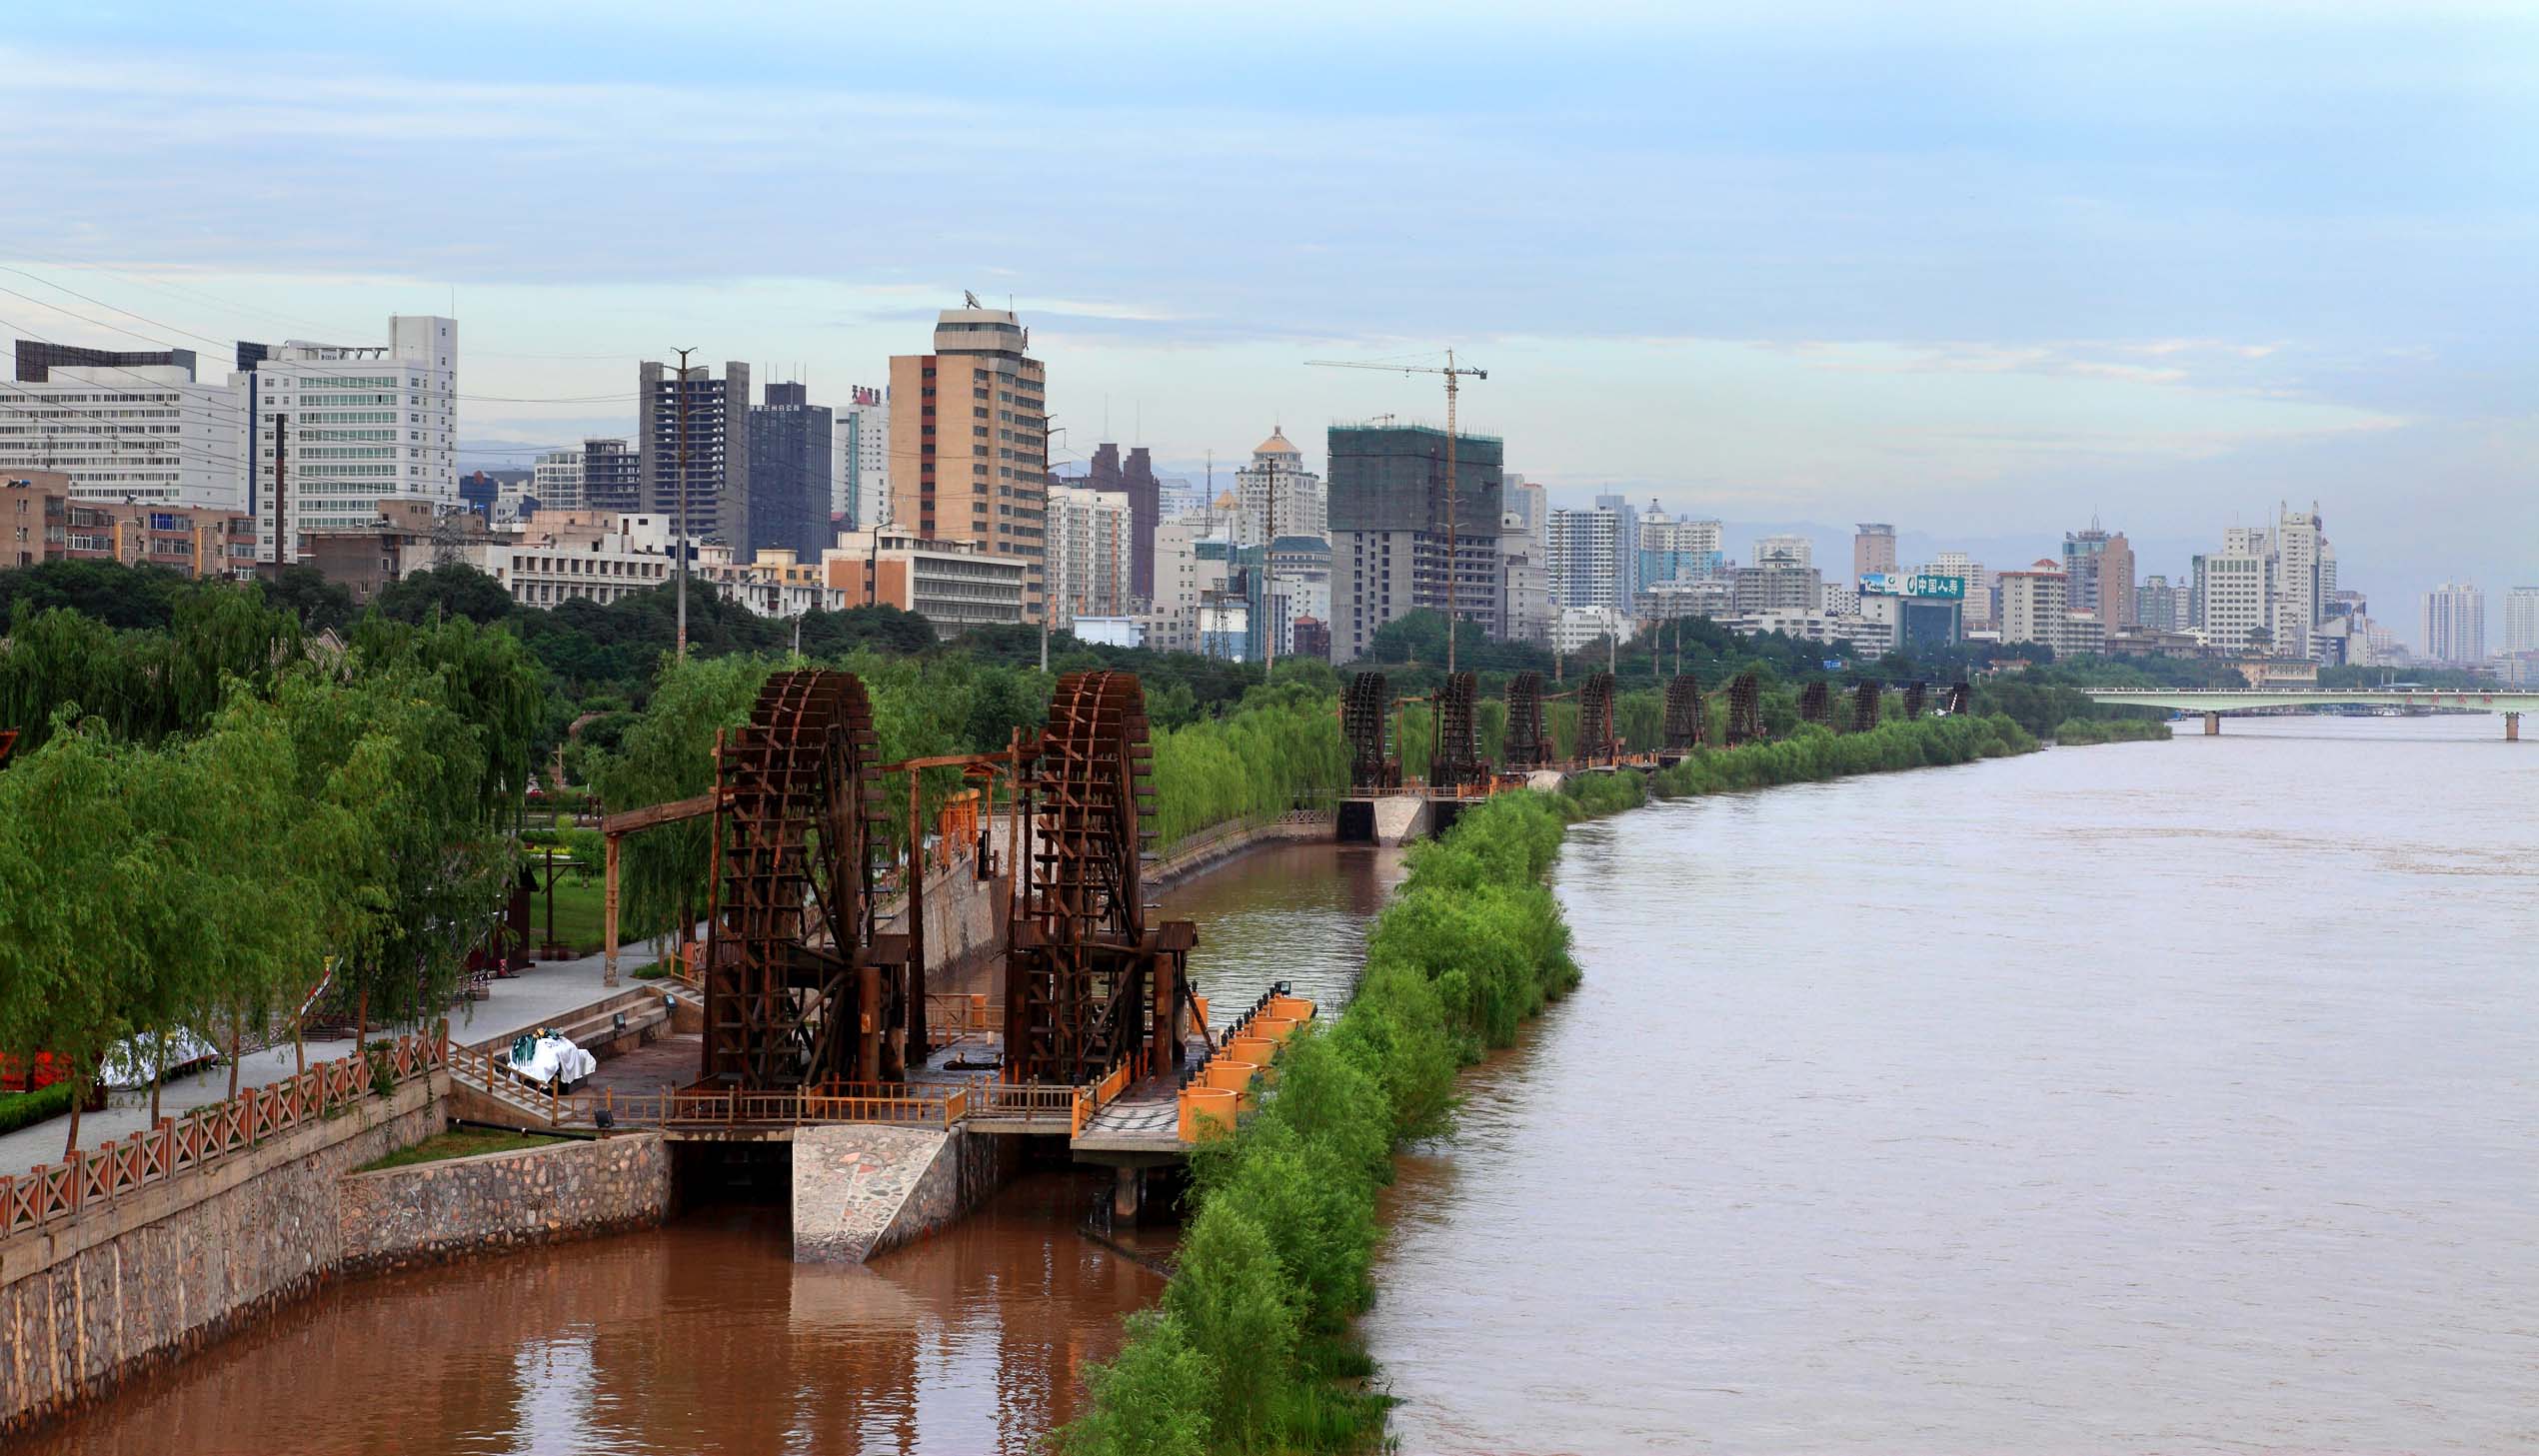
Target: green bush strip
[(2076, 733), (1254, 1346), (25, 1109)]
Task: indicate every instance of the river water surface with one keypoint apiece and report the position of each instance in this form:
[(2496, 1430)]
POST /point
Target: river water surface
[(2151, 1097)]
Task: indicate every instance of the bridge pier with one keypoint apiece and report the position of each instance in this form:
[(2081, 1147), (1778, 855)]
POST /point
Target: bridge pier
[(2212, 725), (2512, 728)]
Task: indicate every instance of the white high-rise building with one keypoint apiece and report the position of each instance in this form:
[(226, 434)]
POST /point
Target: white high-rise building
[(360, 424), (1591, 558), (2521, 620), (860, 474), (2300, 596), (1090, 553), (2234, 589), (1784, 550), (2456, 622), (127, 431), (555, 481), (1677, 549), (1275, 494)]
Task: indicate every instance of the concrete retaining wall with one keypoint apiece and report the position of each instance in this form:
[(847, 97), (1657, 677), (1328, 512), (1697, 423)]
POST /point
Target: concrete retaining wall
[(431, 1212), (861, 1190), (179, 1263)]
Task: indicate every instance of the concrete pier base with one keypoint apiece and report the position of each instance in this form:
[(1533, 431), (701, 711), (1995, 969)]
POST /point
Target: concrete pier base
[(2512, 728), (1128, 1194), (859, 1189), (1402, 819), (2212, 725)]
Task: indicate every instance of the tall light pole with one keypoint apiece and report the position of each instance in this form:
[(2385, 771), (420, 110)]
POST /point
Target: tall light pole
[(682, 502)]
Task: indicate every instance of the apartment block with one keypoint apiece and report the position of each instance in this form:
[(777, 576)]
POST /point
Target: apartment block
[(43, 519), (694, 445), (970, 444), (1393, 515)]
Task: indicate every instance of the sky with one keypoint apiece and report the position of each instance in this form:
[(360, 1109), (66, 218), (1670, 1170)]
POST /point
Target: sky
[(1983, 271)]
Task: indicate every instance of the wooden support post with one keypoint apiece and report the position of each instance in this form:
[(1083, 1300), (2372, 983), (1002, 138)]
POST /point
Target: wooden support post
[(915, 980), (608, 920), (1167, 996)]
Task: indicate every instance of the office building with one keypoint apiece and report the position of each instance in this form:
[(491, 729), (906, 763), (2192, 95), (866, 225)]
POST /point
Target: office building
[(2455, 624), (693, 442), (1526, 580), (2304, 579), (1276, 495), (1775, 588), (1873, 549), (2115, 606), (612, 477), (791, 457), (860, 483), (2083, 550), (1529, 504), (127, 427), (970, 444), (555, 481), (2233, 599), (1980, 584), (2034, 604), (954, 584), (2160, 607), (357, 426), (1677, 549), (1181, 577), (43, 519), (1299, 587), (2521, 620), (1391, 517), (1090, 545)]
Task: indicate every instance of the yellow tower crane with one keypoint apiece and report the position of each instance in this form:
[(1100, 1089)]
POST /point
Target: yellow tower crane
[(1453, 374)]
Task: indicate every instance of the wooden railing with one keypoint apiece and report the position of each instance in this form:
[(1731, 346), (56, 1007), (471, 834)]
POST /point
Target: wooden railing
[(1125, 1073), (958, 1016), (915, 1105), (1032, 1102), (53, 1192)]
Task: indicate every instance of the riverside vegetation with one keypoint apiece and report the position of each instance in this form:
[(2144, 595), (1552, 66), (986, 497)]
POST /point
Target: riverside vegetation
[(1254, 1348)]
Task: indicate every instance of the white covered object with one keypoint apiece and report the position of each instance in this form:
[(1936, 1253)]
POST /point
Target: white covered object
[(555, 1058)]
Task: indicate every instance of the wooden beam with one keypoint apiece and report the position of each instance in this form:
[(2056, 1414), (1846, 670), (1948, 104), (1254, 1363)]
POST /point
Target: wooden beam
[(658, 813)]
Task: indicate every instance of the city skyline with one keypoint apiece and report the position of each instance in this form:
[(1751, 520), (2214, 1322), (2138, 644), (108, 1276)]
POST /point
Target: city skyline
[(1978, 266)]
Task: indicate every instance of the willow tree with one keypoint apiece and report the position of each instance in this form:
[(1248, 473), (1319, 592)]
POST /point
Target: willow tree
[(668, 754)]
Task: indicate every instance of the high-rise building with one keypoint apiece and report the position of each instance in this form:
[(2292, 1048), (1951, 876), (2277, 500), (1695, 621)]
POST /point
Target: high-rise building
[(1090, 541), (2160, 607), (1590, 562), (1677, 549), (791, 456), (2456, 622), (2035, 605), (969, 442), (1979, 582), (2303, 578), (1390, 520), (555, 481), (359, 425), (1530, 503), (1276, 495), (2232, 597), (1526, 578), (612, 477), (861, 485), (1784, 550), (126, 427), (1775, 588), (2081, 551), (1873, 549), (693, 448), (2115, 605), (2521, 620)]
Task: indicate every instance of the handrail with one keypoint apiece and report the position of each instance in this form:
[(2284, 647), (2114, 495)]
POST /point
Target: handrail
[(56, 1192)]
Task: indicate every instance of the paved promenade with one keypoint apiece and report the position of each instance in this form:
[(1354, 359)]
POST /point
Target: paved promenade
[(542, 993)]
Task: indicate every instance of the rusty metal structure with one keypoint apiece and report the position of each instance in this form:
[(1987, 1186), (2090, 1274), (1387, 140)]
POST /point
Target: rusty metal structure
[(1367, 722), (1815, 703), (1597, 744), (1089, 979), (798, 989), (1865, 705), (1745, 710), (1683, 727), (1916, 693), (1527, 745), (1961, 698), (1457, 758)]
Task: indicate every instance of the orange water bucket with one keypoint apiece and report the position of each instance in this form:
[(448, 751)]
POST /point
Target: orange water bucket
[(1295, 1008), (1276, 1028), (1229, 1075), (1255, 1049), (1207, 1112)]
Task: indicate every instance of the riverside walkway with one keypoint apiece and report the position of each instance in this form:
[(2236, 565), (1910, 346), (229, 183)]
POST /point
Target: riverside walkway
[(547, 992)]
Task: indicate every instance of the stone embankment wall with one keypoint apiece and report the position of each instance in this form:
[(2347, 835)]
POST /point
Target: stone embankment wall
[(178, 1263), (430, 1213), (1191, 859), (859, 1190)]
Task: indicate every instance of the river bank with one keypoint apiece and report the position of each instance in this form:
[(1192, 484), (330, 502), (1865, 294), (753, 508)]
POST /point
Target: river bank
[(1255, 1339)]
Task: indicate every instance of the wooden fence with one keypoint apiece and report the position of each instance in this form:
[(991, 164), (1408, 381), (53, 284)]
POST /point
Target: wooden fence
[(54, 1193)]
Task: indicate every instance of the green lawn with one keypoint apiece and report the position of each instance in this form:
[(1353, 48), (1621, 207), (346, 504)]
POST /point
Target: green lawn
[(578, 907), (458, 1143)]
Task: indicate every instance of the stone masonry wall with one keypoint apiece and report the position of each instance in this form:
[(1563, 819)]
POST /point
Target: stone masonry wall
[(431, 1212), (861, 1190), (179, 1263)]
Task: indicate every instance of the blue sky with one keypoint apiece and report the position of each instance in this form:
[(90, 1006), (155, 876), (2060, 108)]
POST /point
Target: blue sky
[(1977, 270)]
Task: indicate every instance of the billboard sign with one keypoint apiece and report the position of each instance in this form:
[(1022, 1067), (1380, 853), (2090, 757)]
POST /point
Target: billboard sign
[(1920, 584)]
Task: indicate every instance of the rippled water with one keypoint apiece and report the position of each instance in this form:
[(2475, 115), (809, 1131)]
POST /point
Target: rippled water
[(2153, 1097)]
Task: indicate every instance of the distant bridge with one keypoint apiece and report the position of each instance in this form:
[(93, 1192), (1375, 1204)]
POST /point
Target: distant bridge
[(2213, 703)]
